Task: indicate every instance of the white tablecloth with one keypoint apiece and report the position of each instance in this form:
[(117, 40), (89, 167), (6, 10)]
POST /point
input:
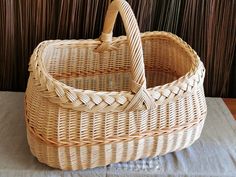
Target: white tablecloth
[(214, 154)]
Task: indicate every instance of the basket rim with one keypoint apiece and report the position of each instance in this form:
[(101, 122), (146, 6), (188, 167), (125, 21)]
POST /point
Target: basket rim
[(75, 98)]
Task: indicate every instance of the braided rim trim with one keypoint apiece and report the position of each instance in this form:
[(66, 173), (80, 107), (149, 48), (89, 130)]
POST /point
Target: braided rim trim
[(116, 139), (96, 101)]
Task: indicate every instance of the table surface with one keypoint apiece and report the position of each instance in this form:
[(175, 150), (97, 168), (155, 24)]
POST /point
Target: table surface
[(231, 104), (213, 154)]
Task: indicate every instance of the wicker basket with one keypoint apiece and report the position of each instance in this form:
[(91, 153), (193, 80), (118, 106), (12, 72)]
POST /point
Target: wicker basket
[(90, 103)]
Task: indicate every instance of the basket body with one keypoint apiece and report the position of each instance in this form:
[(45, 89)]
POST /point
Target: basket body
[(80, 113), (69, 139)]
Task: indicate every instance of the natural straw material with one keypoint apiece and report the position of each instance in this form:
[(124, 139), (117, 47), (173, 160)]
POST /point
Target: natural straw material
[(90, 103)]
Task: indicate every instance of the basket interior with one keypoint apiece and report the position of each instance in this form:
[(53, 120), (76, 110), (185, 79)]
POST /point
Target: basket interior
[(81, 67)]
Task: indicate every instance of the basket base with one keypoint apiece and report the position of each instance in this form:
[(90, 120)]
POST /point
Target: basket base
[(83, 157)]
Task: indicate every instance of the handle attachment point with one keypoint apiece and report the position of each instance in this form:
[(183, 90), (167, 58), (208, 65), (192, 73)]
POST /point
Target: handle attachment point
[(106, 39)]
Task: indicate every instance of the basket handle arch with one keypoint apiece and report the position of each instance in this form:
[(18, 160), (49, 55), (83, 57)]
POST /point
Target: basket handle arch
[(138, 79)]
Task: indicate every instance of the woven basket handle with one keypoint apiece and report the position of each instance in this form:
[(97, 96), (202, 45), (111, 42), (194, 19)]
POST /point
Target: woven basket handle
[(138, 82)]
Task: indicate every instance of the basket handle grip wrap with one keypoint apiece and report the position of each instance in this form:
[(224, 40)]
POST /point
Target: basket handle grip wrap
[(138, 79)]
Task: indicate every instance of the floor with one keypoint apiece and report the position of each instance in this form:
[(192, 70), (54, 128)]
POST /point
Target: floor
[(231, 103)]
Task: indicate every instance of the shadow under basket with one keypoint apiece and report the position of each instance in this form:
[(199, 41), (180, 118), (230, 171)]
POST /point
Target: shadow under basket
[(91, 103)]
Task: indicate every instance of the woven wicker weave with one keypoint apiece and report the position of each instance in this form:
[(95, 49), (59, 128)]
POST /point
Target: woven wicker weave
[(90, 103)]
